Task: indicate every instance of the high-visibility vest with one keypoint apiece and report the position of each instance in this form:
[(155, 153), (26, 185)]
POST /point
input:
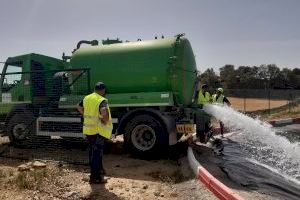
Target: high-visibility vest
[(92, 118), (220, 98), (203, 99)]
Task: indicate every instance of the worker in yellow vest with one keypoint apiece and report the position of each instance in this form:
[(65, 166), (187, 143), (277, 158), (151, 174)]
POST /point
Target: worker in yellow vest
[(203, 95), (202, 120), (220, 99), (97, 127)]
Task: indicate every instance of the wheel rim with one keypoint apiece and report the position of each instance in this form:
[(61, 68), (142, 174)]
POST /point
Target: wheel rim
[(20, 131), (143, 137)]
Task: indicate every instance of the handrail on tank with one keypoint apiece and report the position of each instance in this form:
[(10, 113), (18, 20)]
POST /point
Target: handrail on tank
[(54, 70)]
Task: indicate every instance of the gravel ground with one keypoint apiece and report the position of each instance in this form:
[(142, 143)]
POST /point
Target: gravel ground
[(129, 178)]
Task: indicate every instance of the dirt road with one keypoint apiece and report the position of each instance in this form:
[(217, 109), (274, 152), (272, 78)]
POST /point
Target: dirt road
[(253, 104)]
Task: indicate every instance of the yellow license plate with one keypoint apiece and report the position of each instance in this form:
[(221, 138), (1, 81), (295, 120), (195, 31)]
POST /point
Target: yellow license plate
[(185, 128), (189, 128), (180, 128)]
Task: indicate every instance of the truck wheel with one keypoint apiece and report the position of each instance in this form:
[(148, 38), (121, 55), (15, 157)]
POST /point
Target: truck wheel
[(21, 128), (145, 137)]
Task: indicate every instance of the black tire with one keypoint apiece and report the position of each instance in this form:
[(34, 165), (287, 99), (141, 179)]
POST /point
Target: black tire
[(21, 128), (146, 137)]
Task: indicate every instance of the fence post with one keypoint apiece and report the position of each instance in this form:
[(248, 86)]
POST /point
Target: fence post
[(245, 100), (290, 101), (269, 101)]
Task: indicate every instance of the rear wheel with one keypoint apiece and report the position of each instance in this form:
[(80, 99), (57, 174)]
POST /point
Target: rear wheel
[(145, 137), (21, 128)]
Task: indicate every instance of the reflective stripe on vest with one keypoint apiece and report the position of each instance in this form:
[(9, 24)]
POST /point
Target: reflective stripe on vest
[(92, 119), (203, 99), (219, 100)]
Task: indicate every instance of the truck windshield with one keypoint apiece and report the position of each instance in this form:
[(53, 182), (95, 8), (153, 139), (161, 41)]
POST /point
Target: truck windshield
[(11, 77)]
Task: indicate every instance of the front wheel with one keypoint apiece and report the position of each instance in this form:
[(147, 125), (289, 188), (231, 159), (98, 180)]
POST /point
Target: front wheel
[(145, 137), (20, 128)]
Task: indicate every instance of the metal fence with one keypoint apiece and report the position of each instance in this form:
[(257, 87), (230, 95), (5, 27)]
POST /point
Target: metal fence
[(265, 101), (37, 113), (36, 119)]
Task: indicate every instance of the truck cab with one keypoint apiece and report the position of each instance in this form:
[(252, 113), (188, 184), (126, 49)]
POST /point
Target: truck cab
[(25, 82)]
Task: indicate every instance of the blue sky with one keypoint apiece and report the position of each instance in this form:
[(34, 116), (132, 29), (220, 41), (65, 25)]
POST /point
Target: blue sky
[(239, 32)]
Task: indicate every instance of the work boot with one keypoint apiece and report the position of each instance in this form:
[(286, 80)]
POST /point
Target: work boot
[(222, 133), (100, 180), (102, 171)]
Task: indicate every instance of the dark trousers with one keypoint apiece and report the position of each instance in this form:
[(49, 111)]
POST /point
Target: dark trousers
[(96, 145), (202, 127), (222, 128)]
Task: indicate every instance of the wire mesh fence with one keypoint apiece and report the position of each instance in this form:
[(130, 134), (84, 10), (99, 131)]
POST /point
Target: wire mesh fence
[(37, 121), (265, 101)]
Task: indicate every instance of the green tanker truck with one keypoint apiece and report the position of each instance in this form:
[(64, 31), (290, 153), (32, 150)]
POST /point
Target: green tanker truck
[(150, 87)]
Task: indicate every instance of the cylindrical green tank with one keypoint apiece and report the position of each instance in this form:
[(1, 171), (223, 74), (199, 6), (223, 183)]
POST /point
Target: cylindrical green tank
[(143, 66)]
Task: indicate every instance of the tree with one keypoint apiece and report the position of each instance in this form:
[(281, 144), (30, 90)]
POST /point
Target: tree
[(228, 76), (296, 71), (247, 76), (269, 73), (264, 76), (210, 78), (294, 79)]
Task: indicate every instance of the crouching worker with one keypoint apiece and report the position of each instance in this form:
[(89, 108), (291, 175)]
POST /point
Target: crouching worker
[(220, 99), (97, 127)]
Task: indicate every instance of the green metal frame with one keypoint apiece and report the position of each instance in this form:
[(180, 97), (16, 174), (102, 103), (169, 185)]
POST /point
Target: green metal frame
[(6, 107)]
